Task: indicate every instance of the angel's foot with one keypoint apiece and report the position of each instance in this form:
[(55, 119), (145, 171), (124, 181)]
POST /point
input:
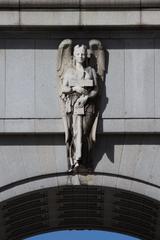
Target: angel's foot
[(76, 165), (71, 168)]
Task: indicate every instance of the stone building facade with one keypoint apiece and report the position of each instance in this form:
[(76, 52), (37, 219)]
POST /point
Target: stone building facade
[(37, 193)]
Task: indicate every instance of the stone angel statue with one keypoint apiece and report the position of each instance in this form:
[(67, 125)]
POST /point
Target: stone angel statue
[(80, 71)]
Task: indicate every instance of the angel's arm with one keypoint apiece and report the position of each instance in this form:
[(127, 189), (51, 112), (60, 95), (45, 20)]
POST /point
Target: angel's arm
[(94, 92), (66, 89), (84, 98)]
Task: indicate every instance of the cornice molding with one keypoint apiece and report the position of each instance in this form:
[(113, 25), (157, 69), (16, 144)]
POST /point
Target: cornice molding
[(79, 4)]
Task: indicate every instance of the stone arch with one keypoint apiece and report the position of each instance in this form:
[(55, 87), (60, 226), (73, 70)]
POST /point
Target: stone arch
[(46, 206)]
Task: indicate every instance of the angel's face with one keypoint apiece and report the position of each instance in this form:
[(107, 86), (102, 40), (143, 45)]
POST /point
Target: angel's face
[(80, 54)]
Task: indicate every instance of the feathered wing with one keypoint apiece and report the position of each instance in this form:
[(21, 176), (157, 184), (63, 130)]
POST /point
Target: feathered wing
[(64, 61), (97, 61), (97, 53)]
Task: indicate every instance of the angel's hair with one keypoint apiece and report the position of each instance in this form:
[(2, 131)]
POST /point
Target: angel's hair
[(78, 47)]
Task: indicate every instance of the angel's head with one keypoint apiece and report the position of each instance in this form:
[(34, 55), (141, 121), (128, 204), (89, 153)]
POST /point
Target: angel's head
[(80, 53)]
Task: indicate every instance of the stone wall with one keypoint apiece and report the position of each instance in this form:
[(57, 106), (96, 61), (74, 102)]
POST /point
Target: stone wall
[(33, 163)]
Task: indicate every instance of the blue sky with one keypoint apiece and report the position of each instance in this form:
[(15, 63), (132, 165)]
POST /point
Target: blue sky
[(82, 235)]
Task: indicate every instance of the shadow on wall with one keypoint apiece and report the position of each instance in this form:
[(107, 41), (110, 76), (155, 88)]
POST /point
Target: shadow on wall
[(104, 100), (40, 39), (106, 144), (32, 140), (103, 153)]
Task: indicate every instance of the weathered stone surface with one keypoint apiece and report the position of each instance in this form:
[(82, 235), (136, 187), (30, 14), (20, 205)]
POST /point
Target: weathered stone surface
[(114, 80), (19, 79), (150, 17), (50, 3), (32, 17), (49, 18), (111, 18), (2, 77), (46, 89), (9, 18), (110, 3), (37, 193), (29, 85), (139, 78), (56, 126), (9, 3), (79, 4)]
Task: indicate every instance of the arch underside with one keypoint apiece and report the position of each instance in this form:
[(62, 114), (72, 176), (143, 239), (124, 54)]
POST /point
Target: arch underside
[(79, 207)]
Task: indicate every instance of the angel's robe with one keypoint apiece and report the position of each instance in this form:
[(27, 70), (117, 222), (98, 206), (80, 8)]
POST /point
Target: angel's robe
[(79, 120)]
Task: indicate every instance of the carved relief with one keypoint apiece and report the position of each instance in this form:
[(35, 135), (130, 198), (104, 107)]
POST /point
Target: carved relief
[(80, 71)]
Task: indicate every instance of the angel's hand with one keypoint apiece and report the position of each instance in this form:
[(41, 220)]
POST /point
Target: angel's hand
[(66, 89), (79, 89), (81, 102)]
